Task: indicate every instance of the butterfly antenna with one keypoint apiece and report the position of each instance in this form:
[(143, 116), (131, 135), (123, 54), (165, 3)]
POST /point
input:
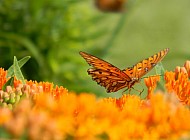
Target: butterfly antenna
[(151, 76), (126, 90)]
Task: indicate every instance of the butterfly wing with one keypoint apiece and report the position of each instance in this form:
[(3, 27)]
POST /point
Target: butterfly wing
[(106, 74), (144, 66)]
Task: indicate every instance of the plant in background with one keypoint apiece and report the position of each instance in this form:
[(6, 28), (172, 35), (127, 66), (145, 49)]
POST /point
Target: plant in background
[(52, 32)]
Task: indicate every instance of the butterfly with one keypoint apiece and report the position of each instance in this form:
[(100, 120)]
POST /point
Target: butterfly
[(113, 78)]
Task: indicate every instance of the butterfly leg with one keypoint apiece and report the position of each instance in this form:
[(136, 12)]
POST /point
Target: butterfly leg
[(127, 90), (140, 91)]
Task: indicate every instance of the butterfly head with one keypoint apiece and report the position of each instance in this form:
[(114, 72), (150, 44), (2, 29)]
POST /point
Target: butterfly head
[(134, 80)]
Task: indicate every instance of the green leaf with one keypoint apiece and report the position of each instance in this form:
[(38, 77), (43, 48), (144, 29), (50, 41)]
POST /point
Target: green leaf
[(160, 71), (21, 62), (4, 133), (17, 71), (10, 82)]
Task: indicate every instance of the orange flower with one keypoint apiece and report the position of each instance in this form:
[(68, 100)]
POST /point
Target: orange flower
[(3, 79), (47, 87), (16, 82), (5, 115), (178, 82), (122, 101), (18, 121), (151, 83), (58, 92), (187, 67)]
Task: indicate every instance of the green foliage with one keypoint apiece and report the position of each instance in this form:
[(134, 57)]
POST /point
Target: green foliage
[(10, 82), (4, 133), (15, 71), (11, 70), (52, 32), (160, 71)]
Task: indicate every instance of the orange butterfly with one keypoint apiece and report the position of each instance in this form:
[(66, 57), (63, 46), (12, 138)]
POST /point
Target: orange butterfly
[(114, 79)]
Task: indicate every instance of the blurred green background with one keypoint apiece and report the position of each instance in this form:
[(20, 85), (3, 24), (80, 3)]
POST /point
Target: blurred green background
[(53, 33)]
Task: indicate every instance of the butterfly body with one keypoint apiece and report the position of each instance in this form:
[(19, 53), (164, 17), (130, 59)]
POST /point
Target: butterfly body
[(114, 79)]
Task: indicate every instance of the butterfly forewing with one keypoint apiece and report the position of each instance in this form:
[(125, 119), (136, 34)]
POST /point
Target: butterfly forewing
[(106, 74), (98, 63), (144, 66)]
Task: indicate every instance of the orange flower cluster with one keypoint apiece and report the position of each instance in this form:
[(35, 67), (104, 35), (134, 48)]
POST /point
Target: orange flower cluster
[(84, 117), (32, 89), (47, 112), (178, 82)]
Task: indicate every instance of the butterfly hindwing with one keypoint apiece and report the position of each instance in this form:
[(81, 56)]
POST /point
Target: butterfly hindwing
[(111, 81)]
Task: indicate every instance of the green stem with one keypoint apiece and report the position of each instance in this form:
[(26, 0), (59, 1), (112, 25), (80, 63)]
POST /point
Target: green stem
[(115, 33)]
